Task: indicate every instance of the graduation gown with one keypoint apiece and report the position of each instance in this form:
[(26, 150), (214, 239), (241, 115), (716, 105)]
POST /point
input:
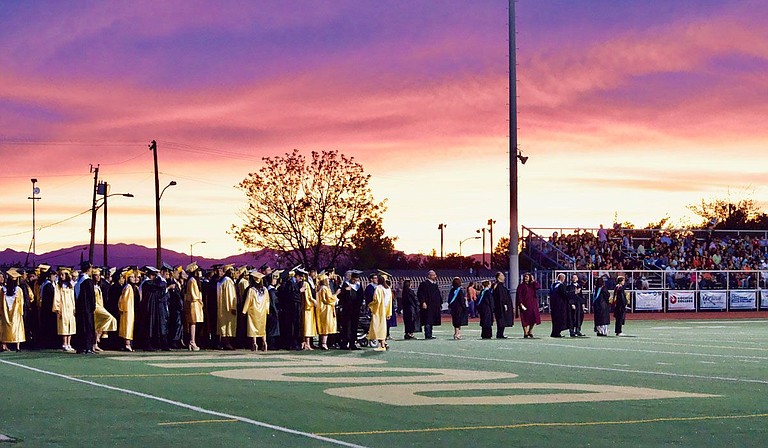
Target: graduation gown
[(102, 319), (575, 306), (502, 306), (350, 303), (558, 308), (429, 293), (48, 318), (457, 303), (154, 305), (175, 311), (127, 312), (310, 322), (240, 286), (326, 311), (64, 305), (273, 318), (226, 307), (256, 309), (84, 314), (411, 315), (484, 306), (381, 310), (526, 298), (193, 302), (601, 308), (12, 316)]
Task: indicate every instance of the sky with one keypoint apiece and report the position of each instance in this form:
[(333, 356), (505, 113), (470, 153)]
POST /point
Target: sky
[(627, 109)]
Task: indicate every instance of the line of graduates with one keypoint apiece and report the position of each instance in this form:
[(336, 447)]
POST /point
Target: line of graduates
[(165, 308)]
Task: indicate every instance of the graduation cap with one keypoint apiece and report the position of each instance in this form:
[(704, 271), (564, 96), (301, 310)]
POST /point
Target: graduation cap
[(151, 270), (65, 270), (354, 272), (383, 274), (192, 267), (44, 267), (13, 273), (242, 270), (228, 267), (256, 274), (166, 267), (277, 273), (301, 271), (85, 265), (216, 266), (264, 267), (112, 271)]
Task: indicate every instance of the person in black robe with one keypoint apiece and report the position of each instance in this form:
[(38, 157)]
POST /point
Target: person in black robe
[(410, 306), (484, 307), (30, 317), (273, 318), (503, 310), (350, 302), (154, 307), (558, 306), (85, 305), (175, 308), (291, 314), (430, 303), (575, 308), (620, 305), (601, 308), (111, 303), (457, 303), (48, 330), (210, 295)]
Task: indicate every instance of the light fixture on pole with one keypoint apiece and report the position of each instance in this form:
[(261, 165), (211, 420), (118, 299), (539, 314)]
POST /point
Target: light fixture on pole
[(190, 249), (441, 227), (465, 240), (104, 204), (491, 222)]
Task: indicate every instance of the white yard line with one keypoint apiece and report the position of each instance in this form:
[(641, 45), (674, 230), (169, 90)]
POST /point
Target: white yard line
[(599, 368), (637, 350), (187, 406)]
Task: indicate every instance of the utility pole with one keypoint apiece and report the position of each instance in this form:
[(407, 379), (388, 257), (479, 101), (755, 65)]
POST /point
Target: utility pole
[(483, 231), (105, 192), (441, 227), (491, 222), (514, 260), (93, 210), (159, 260), (34, 198)]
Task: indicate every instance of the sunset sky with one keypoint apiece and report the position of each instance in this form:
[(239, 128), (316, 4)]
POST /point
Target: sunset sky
[(636, 108)]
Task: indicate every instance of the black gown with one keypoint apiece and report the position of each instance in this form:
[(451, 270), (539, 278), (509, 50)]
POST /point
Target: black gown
[(85, 305), (575, 309), (350, 303), (155, 313), (273, 318), (503, 310), (48, 333), (558, 308), (457, 303), (175, 314), (411, 315), (484, 307), (429, 293), (601, 308)]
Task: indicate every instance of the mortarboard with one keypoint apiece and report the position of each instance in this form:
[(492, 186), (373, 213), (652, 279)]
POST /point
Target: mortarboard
[(13, 273), (192, 267)]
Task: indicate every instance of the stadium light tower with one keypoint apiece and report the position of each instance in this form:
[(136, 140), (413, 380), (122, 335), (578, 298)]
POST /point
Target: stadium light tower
[(514, 156)]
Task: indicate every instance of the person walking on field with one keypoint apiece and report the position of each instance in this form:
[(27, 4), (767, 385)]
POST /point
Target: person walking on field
[(601, 308), (620, 305), (485, 310), (431, 303), (457, 303), (528, 304), (502, 306)]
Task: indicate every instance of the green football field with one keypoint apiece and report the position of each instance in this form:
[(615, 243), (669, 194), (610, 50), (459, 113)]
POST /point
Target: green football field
[(670, 383)]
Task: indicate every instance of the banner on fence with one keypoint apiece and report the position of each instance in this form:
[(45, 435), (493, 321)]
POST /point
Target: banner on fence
[(648, 301), (712, 300), (764, 299), (743, 300), (682, 300)]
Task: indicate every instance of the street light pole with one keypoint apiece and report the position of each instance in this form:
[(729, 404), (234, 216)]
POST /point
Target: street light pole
[(190, 249), (483, 231), (465, 240), (93, 211), (159, 257), (441, 227), (104, 204), (491, 222), (34, 198), (514, 155)]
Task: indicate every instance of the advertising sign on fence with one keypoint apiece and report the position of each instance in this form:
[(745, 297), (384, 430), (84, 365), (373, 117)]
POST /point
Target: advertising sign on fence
[(764, 299), (682, 300), (712, 300), (648, 301), (743, 300)]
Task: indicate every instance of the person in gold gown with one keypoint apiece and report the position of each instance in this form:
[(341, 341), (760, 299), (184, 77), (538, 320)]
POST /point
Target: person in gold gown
[(12, 315), (309, 303), (256, 309), (127, 308), (226, 301), (64, 307), (102, 319), (193, 304), (326, 311), (381, 310)]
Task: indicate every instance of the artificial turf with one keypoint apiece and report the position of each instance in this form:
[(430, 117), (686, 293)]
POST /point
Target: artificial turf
[(723, 359)]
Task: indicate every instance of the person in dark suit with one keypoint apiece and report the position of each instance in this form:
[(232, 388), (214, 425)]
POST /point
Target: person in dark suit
[(575, 306), (411, 315), (503, 310), (431, 303), (620, 305), (558, 306), (85, 305)]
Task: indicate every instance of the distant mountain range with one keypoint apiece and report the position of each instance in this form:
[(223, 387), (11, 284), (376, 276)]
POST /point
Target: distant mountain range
[(130, 254)]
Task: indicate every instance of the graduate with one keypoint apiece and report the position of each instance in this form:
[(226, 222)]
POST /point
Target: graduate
[(103, 320), (175, 308), (457, 303), (193, 304), (154, 309), (256, 309), (226, 305), (243, 282), (127, 308), (528, 304), (85, 306), (326, 310), (309, 303), (64, 307), (484, 308), (558, 306), (410, 307), (273, 318), (12, 315), (47, 331), (350, 301), (381, 310)]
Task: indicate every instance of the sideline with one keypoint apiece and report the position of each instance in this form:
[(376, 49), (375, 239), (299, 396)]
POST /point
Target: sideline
[(187, 406), (637, 350), (545, 424), (607, 369)]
